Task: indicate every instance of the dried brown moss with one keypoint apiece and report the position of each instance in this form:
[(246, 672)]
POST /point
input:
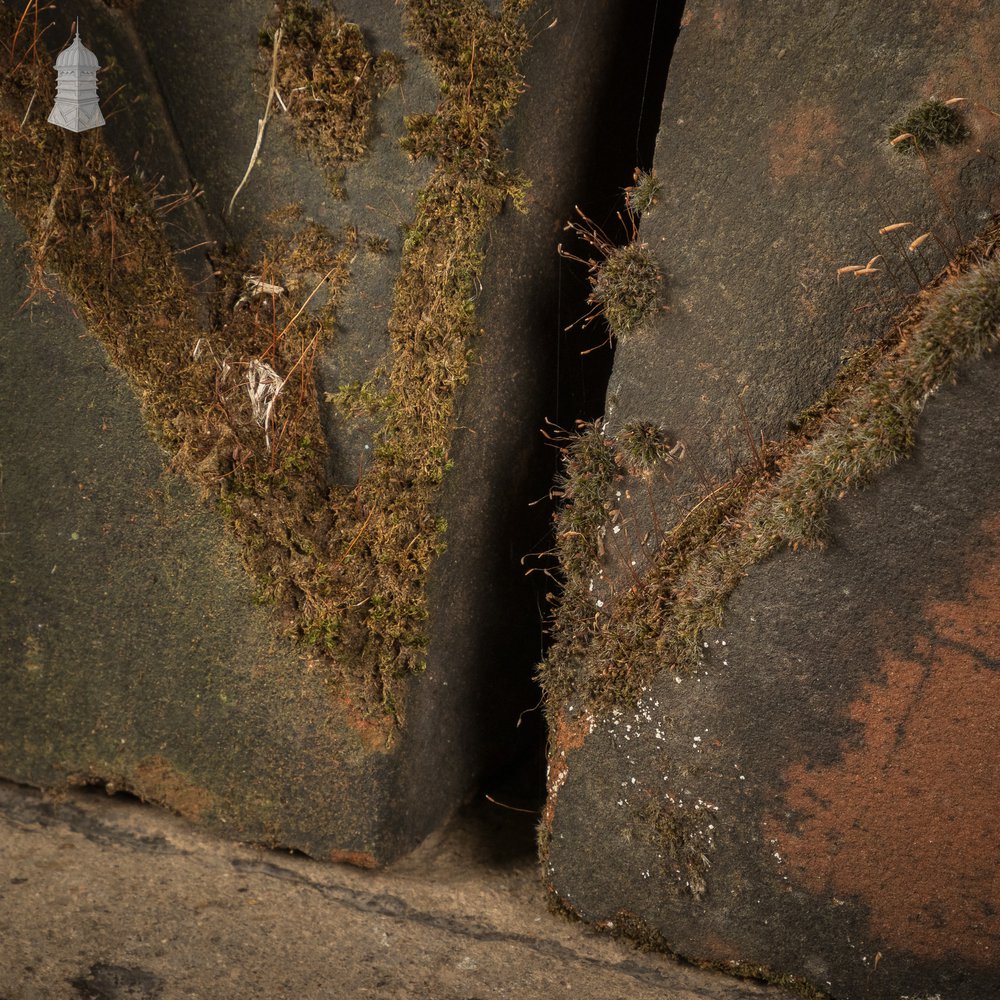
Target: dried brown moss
[(863, 425), (327, 78), (347, 571)]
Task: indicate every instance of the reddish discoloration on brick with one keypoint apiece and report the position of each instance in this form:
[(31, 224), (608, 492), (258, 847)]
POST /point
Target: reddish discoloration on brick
[(804, 141), (375, 732), (967, 70), (909, 820), (731, 20), (565, 735), (360, 859), (157, 780)]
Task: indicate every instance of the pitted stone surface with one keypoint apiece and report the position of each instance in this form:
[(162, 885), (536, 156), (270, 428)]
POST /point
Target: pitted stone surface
[(133, 651), (813, 800)]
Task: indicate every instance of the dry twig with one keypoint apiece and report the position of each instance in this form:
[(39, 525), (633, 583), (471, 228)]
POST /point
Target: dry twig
[(262, 123)]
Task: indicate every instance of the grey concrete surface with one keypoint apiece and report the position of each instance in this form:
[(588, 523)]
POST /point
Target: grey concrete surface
[(107, 898)]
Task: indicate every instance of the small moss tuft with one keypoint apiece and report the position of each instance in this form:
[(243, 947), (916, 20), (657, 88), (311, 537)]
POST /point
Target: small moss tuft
[(644, 192), (378, 246), (682, 841), (930, 124), (795, 985), (624, 279), (644, 445), (585, 488), (327, 78), (625, 287)]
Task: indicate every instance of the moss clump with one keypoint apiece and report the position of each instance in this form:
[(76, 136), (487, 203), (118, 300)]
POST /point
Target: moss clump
[(930, 124), (267, 474), (624, 280), (625, 286), (865, 424), (327, 78), (644, 445), (643, 193), (585, 487), (795, 985), (628, 926), (684, 840), (236, 403), (472, 51), (591, 488), (378, 246), (433, 324)]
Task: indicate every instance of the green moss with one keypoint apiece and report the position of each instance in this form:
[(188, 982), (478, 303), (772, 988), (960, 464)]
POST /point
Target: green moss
[(796, 985), (645, 445), (360, 399), (624, 280), (639, 932), (864, 424), (327, 78), (643, 193), (684, 840), (930, 124), (345, 570), (585, 488), (625, 286)]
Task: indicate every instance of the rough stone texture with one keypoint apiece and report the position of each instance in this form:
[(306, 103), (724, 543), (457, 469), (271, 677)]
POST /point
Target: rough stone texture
[(777, 171), (105, 898), (131, 650), (833, 759), (217, 46), (815, 801)]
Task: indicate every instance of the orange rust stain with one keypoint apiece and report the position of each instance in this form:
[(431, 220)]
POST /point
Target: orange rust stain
[(713, 947), (565, 735), (570, 734), (727, 20), (155, 779), (909, 820), (980, 64), (969, 40), (803, 141), (374, 732), (955, 16), (360, 859)]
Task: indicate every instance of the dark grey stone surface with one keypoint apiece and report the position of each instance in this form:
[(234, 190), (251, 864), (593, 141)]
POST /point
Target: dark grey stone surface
[(776, 172), (157, 673), (833, 756), (815, 800)]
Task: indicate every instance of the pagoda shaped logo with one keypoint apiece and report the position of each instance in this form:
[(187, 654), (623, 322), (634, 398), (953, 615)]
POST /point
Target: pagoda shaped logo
[(76, 106)]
